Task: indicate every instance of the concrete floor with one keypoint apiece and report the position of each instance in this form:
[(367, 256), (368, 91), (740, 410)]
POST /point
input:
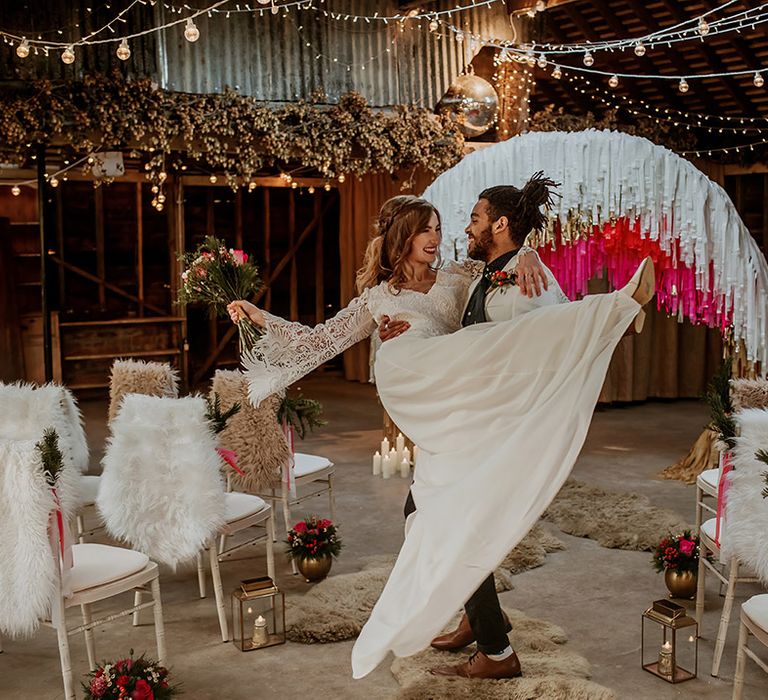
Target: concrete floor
[(597, 595)]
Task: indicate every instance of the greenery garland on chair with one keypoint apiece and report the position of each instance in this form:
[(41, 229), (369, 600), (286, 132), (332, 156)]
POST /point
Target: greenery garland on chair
[(762, 456), (51, 456), (301, 414), (718, 398), (228, 132), (215, 416)]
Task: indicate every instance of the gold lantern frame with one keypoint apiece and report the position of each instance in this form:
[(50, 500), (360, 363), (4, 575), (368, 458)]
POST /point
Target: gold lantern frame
[(672, 618), (249, 591)]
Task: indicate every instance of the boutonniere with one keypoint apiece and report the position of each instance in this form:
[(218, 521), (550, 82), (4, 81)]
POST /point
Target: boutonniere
[(501, 279)]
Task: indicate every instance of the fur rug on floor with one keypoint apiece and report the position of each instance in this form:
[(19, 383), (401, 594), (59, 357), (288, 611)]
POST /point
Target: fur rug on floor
[(614, 520), (139, 377), (549, 670), (253, 433), (337, 608)]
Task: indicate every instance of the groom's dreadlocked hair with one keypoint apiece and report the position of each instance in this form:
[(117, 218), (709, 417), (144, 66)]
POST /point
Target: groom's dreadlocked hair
[(521, 207)]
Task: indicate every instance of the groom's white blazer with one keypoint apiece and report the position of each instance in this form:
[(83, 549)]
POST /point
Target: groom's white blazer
[(504, 303)]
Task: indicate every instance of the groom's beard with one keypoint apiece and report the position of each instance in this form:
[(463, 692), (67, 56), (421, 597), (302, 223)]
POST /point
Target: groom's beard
[(480, 248)]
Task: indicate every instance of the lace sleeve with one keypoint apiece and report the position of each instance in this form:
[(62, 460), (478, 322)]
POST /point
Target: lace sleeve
[(287, 351)]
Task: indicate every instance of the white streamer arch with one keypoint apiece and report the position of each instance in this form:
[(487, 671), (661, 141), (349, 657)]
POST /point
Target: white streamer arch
[(622, 188)]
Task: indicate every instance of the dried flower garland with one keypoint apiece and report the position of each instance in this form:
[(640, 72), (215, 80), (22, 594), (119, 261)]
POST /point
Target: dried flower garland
[(225, 132)]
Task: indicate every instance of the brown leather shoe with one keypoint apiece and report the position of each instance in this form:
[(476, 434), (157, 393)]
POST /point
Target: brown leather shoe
[(462, 635), (480, 666)]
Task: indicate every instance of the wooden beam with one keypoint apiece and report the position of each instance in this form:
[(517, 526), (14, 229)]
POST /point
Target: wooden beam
[(140, 248), (100, 264), (266, 181), (60, 245), (519, 7), (278, 269), (319, 264), (107, 285)]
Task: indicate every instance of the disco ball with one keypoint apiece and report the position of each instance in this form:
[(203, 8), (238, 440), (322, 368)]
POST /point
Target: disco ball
[(472, 102)]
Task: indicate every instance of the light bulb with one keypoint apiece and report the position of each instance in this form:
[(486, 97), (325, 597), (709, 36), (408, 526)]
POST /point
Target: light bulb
[(22, 50), (683, 85), (159, 207), (703, 27), (161, 198), (459, 37), (540, 6), (613, 81), (327, 187), (68, 55), (640, 49), (191, 32), (123, 51), (155, 189), (264, 2), (542, 62), (758, 80), (294, 185), (15, 190), (341, 177), (434, 25), (162, 175), (154, 202), (311, 189), (274, 9), (588, 59), (213, 179), (530, 59), (54, 182), (557, 73)]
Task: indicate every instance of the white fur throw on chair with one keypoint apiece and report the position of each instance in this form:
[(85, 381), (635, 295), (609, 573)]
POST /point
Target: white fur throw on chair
[(27, 410), (749, 393), (746, 534), (139, 377), (161, 489), (253, 433), (27, 564)]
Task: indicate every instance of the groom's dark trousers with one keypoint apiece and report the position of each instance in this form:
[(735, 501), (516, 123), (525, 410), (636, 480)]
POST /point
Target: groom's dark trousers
[(483, 609)]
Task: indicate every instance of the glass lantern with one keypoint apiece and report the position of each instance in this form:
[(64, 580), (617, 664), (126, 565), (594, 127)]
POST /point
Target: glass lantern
[(258, 614), (674, 648)]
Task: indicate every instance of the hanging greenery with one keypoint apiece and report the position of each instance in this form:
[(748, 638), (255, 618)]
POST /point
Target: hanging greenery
[(215, 416), (51, 455), (721, 409), (227, 132), (300, 413)]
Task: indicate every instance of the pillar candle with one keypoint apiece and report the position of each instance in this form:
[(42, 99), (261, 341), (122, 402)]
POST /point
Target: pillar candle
[(405, 468), (386, 466), (407, 455), (400, 445), (385, 446), (415, 454), (376, 463), (259, 638)]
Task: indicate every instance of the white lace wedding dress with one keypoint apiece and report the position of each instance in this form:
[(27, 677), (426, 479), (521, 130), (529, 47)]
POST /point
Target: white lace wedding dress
[(499, 410)]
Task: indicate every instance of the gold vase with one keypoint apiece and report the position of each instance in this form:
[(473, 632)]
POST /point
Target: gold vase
[(680, 584), (314, 568)]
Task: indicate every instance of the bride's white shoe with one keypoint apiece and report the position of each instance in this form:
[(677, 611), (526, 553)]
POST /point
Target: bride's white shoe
[(641, 288)]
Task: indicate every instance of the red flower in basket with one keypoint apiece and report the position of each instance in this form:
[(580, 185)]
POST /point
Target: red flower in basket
[(142, 691), (313, 537), (679, 552)]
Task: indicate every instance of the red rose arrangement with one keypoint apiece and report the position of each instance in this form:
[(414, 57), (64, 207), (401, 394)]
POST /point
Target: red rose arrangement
[(313, 538), (129, 679), (502, 279), (678, 552), (216, 275)]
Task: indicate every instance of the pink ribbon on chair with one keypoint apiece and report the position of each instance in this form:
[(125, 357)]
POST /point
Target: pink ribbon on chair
[(722, 494), (289, 465), (60, 538), (230, 458)]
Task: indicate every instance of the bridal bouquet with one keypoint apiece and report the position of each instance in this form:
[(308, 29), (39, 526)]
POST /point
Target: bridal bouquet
[(129, 679), (216, 275)]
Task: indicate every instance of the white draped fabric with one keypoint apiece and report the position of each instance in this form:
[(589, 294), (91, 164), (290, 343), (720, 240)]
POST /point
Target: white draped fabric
[(606, 174)]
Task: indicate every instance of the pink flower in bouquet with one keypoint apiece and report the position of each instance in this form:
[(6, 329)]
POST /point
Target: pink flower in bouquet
[(687, 547), (142, 691), (324, 523), (300, 528), (240, 257), (98, 686)]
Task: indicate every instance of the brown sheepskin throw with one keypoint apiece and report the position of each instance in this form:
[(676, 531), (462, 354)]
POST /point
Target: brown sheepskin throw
[(139, 377), (749, 393), (549, 670), (337, 608), (253, 433), (703, 455), (615, 520)]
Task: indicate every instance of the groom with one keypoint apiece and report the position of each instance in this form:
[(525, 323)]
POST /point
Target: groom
[(494, 237)]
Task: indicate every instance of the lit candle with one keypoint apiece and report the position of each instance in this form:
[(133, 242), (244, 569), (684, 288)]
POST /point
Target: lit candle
[(415, 454), (665, 659), (400, 445), (376, 463), (405, 468), (386, 466), (385, 446), (259, 638), (407, 455)]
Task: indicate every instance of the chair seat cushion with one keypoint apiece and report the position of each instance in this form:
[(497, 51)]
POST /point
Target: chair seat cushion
[(89, 490), (709, 527), (97, 564), (709, 477), (756, 609), (309, 464), (241, 505)]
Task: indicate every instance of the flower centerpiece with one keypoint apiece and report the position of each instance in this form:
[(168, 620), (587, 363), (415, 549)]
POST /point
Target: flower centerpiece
[(129, 679), (678, 557), (216, 275), (312, 544)]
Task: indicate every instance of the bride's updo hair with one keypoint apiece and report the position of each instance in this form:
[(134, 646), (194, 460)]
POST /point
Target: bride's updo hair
[(400, 219), (521, 207)]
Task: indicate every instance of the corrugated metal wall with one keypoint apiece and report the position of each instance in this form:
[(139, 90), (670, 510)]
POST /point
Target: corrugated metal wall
[(280, 57)]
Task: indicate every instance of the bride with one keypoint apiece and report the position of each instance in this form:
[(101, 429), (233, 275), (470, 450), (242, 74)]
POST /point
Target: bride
[(499, 411)]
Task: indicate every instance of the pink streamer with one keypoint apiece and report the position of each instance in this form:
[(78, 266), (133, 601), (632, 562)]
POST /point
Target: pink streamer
[(722, 495), (230, 458), (617, 248)]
